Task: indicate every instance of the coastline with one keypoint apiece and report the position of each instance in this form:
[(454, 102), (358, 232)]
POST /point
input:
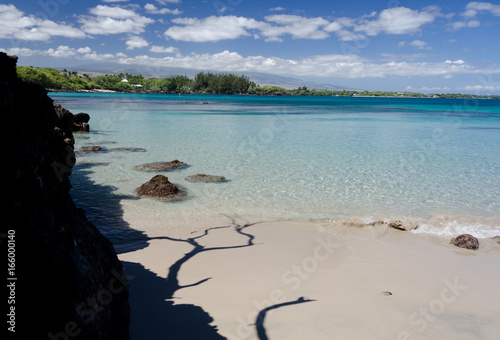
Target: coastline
[(295, 280), (421, 96)]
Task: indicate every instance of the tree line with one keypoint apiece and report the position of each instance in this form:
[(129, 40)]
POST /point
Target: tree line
[(221, 83)]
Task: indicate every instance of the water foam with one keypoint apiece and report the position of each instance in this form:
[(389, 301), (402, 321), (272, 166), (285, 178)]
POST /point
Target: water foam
[(455, 228)]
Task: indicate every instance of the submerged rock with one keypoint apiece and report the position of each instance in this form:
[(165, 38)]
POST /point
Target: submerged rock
[(496, 239), (128, 149), (403, 225), (162, 166), (203, 178), (92, 148), (159, 186), (466, 241)]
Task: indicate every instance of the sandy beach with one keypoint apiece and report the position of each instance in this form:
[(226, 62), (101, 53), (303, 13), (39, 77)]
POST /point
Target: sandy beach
[(240, 278)]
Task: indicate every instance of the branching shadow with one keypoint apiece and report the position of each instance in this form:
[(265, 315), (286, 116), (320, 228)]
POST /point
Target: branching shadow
[(259, 323), (151, 296)]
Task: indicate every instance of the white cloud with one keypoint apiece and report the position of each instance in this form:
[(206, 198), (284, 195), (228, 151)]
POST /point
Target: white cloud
[(211, 28), (231, 27), (480, 88), (61, 52), (333, 27), (457, 62), (136, 42), (421, 45), (277, 9), (164, 2), (114, 0), (338, 66), (113, 20), (345, 35), (455, 26), (112, 12), (399, 20), (152, 9), (473, 8), (160, 49), (298, 27), (19, 51), (84, 50), (16, 25), (471, 11), (434, 89)]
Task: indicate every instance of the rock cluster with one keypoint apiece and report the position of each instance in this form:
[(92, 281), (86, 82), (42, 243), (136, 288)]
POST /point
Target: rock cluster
[(466, 241), (70, 281)]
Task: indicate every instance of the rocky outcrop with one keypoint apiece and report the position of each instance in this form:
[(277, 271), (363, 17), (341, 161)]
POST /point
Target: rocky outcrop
[(203, 178), (80, 122), (159, 186), (466, 241), (162, 166), (70, 283)]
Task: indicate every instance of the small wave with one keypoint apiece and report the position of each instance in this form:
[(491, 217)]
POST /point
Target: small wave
[(455, 228)]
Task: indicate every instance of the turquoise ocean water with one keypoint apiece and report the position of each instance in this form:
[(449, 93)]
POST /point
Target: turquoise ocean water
[(299, 158)]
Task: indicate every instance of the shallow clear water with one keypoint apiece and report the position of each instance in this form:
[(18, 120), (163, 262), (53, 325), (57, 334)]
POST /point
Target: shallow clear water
[(303, 158)]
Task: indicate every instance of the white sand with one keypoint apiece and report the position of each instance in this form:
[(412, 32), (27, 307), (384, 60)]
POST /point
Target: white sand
[(438, 291)]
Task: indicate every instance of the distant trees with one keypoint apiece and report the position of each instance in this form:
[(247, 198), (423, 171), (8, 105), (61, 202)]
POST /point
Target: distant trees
[(221, 83), (54, 79)]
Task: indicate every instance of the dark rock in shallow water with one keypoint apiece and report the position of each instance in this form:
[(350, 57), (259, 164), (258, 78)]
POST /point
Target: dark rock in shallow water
[(80, 122), (92, 148), (81, 117), (128, 149), (162, 166), (466, 241), (159, 186), (70, 284), (496, 239), (203, 178)]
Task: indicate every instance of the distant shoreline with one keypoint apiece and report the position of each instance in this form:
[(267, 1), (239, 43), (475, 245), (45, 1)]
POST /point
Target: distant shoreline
[(423, 96)]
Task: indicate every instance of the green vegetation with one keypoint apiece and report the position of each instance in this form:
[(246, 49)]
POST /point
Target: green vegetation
[(221, 83)]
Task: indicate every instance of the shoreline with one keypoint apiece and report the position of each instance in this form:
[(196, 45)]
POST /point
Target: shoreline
[(475, 97), (242, 278)]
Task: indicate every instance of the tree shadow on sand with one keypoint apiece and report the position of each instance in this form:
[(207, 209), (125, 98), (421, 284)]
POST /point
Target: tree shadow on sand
[(151, 296), (259, 323)]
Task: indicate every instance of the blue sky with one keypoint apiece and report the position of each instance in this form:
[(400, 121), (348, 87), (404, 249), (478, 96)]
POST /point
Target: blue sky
[(424, 46)]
